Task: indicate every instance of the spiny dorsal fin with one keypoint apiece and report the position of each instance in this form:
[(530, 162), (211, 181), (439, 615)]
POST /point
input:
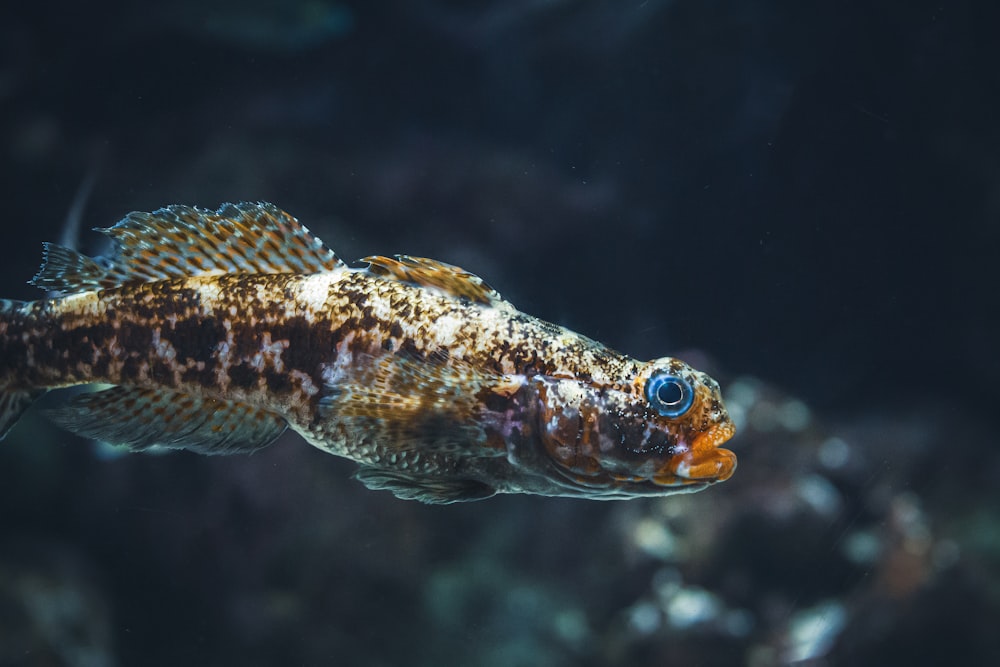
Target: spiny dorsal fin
[(66, 270), (143, 418), (432, 273), (179, 241)]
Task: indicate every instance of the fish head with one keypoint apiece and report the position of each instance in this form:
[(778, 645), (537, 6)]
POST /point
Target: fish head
[(653, 432)]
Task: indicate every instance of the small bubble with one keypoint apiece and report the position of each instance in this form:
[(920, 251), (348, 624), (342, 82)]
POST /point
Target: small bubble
[(819, 494), (794, 415), (667, 581), (738, 622), (834, 453), (654, 539), (812, 631), (906, 507), (738, 414), (742, 391), (644, 618), (571, 625), (691, 606), (861, 547)]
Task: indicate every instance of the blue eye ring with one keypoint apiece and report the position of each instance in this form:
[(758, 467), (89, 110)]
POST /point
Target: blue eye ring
[(670, 395)]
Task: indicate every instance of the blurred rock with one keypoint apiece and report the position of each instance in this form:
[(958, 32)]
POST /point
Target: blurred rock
[(53, 609)]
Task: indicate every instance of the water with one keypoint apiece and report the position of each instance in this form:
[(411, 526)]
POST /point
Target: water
[(799, 200)]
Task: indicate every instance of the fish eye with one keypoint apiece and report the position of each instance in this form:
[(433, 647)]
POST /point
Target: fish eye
[(672, 396)]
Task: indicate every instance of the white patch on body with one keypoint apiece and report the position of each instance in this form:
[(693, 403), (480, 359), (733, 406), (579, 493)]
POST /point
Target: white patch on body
[(305, 381), (269, 354), (164, 348), (223, 357), (334, 374), (445, 331), (208, 296), (314, 290)]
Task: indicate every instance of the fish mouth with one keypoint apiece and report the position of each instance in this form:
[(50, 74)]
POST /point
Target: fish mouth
[(704, 463)]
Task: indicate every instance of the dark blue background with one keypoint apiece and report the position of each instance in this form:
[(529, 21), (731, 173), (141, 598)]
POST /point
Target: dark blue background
[(803, 192), (806, 190)]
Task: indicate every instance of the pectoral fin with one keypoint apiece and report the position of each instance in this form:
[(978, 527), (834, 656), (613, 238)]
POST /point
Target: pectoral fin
[(405, 403)]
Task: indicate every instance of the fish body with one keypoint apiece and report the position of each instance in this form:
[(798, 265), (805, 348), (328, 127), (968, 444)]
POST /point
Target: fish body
[(219, 330)]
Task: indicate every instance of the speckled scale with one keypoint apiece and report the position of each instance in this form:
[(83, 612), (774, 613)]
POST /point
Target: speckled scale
[(181, 241)]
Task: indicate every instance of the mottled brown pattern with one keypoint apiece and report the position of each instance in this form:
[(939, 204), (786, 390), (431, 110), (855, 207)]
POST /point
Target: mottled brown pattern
[(413, 368)]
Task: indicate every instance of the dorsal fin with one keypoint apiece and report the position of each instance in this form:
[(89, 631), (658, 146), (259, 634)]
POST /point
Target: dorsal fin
[(68, 271), (432, 273), (179, 241)]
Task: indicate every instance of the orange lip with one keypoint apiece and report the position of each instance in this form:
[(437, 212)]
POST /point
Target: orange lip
[(704, 462)]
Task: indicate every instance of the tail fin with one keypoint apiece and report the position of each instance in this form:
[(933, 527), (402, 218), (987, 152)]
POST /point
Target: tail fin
[(13, 402)]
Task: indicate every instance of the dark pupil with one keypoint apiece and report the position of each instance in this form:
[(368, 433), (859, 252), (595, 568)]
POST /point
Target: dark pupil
[(670, 393)]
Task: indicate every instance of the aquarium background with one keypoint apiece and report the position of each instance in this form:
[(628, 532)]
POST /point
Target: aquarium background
[(801, 198)]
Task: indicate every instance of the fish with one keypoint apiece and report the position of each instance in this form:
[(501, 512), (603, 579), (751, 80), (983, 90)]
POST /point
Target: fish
[(215, 331)]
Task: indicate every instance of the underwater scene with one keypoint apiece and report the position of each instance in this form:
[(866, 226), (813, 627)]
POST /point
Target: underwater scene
[(606, 333)]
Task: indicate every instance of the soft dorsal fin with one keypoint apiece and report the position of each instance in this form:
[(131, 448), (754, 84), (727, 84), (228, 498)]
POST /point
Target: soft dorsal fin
[(432, 273), (179, 241)]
